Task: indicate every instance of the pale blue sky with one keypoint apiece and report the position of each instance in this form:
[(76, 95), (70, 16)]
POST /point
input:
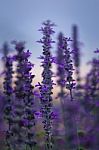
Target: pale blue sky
[(20, 20)]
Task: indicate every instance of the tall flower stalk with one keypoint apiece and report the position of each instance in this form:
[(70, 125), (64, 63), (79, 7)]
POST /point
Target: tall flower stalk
[(60, 63), (8, 92), (61, 77), (29, 119), (68, 66), (19, 105), (91, 87), (71, 105), (47, 83), (95, 97), (23, 112), (76, 53)]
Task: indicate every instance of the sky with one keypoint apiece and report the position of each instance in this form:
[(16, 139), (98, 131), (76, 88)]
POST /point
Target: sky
[(21, 19)]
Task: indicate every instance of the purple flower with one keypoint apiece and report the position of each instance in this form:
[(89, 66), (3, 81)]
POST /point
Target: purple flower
[(8, 96), (96, 51), (47, 84), (60, 61), (24, 100), (76, 56), (68, 66)]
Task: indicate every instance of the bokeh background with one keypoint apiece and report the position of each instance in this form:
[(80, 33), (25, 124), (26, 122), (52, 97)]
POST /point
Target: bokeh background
[(21, 19)]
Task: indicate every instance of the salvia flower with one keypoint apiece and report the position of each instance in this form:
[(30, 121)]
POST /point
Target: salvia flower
[(68, 66), (60, 61), (91, 86), (75, 45), (61, 76), (23, 112), (47, 84), (29, 102), (76, 59), (70, 122), (8, 92), (95, 96)]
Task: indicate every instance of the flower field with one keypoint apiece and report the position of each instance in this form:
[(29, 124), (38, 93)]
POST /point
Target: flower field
[(32, 116)]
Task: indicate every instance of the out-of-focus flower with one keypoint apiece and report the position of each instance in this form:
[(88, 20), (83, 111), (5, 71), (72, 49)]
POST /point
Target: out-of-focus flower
[(24, 100), (96, 51), (8, 96), (68, 66), (60, 62)]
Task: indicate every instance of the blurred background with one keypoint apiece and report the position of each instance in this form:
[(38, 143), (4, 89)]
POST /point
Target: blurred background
[(21, 19)]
